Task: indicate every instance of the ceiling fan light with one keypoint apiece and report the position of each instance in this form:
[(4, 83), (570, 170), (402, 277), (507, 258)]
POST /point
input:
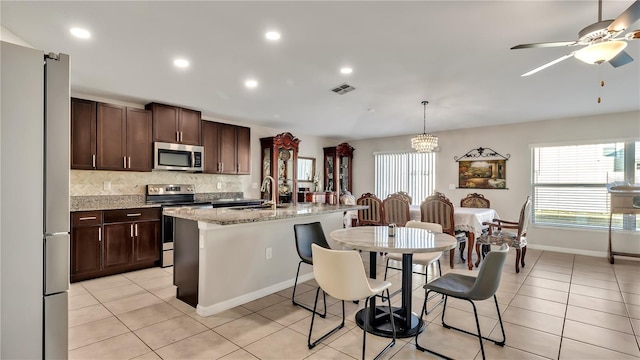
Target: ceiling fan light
[(600, 52)]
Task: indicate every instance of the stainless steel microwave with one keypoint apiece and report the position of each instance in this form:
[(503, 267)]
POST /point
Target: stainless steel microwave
[(178, 157)]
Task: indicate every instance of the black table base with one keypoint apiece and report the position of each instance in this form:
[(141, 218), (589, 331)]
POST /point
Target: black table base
[(381, 324)]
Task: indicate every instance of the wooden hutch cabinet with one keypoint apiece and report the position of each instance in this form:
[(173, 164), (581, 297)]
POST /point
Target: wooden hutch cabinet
[(280, 161), (338, 168)]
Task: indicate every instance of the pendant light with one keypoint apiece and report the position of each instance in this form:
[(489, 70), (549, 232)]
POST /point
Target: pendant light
[(424, 143)]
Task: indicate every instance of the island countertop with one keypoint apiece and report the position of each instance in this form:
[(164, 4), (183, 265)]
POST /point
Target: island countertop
[(232, 216)]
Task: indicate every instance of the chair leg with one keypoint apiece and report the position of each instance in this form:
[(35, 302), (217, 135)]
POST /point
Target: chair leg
[(366, 325), (504, 337), (452, 253), (524, 252), (424, 311), (313, 344), (293, 297), (479, 334), (518, 253), (386, 268), (463, 245)]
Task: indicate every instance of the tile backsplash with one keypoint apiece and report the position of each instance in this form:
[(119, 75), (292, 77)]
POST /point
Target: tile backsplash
[(90, 182)]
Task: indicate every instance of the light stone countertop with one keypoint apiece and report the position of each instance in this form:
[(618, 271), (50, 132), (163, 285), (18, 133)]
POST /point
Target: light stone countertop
[(406, 240), (231, 216), (108, 202)]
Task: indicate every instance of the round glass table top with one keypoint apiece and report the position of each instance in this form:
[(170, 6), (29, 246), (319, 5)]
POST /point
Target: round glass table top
[(406, 240)]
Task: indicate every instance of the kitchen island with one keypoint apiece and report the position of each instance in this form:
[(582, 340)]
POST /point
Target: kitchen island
[(227, 257)]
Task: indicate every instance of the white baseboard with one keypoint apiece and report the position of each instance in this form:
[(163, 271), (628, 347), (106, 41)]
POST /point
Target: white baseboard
[(602, 254), (231, 303)]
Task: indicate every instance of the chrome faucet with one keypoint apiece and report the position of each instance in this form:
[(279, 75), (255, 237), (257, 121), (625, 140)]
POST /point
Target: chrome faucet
[(263, 188)]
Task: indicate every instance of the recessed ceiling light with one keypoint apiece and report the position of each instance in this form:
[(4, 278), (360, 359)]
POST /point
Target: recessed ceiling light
[(272, 35), (181, 63), (346, 70), (251, 83), (80, 33)]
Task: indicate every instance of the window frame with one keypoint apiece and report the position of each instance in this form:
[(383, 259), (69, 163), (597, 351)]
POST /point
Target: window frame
[(630, 161)]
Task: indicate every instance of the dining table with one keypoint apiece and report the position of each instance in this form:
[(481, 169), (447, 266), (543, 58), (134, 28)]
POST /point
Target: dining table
[(468, 220), (406, 241)]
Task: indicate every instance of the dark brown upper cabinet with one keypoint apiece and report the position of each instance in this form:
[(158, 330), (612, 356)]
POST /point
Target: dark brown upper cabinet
[(173, 124), (83, 134), (123, 138), (227, 148)]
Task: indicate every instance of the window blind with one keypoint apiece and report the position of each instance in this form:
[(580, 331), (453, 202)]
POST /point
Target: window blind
[(410, 172), (570, 183)]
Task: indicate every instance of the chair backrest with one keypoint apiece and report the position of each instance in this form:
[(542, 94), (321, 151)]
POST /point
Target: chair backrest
[(475, 200), (438, 209), (425, 225), (489, 275), (307, 234), (404, 194), (340, 273), (525, 218), (374, 215), (396, 210), (347, 198)]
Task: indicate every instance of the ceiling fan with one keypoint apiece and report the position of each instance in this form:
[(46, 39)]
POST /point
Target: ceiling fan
[(600, 38)]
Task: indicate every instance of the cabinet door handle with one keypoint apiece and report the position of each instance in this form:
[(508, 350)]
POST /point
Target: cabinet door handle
[(87, 218), (124, 160), (131, 228), (180, 136), (221, 167), (133, 214), (99, 234), (129, 162), (93, 160), (136, 227)]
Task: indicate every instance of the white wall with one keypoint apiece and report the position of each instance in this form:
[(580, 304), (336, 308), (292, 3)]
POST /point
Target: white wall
[(514, 140)]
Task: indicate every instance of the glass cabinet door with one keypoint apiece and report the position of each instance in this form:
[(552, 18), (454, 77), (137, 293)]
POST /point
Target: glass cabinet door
[(279, 160), (344, 174), (285, 176), (329, 175)]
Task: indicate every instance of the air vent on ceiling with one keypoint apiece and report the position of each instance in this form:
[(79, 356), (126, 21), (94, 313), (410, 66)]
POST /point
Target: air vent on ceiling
[(343, 89)]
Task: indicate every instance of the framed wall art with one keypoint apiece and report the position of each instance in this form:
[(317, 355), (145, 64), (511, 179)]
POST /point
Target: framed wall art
[(482, 168)]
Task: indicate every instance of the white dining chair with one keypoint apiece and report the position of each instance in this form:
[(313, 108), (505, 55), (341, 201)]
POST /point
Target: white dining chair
[(341, 274)]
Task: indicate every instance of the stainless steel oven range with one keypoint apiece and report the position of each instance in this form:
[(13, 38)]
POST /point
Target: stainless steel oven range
[(171, 196)]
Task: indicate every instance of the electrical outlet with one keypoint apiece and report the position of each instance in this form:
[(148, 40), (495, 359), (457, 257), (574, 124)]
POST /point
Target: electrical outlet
[(106, 185), (452, 186), (267, 253), (219, 185)]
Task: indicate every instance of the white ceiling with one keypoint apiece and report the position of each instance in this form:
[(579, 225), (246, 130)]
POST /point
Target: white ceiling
[(454, 54)]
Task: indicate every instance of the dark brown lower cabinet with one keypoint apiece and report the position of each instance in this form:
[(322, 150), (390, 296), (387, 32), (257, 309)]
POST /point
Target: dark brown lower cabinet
[(146, 245), (114, 241), (118, 245), (86, 251)]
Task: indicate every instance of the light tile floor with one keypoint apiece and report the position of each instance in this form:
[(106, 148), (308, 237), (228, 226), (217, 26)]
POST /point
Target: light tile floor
[(560, 306)]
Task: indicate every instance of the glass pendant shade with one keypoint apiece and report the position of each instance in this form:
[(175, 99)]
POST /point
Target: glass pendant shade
[(600, 52), (424, 142)]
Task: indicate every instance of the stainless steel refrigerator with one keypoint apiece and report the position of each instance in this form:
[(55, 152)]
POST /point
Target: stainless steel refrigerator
[(34, 200)]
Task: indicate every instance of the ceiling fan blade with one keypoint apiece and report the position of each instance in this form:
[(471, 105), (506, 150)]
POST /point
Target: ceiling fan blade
[(628, 17), (548, 64), (546, 44), (621, 59)]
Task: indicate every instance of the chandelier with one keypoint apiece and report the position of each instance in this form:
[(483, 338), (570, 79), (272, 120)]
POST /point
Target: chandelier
[(424, 142)]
